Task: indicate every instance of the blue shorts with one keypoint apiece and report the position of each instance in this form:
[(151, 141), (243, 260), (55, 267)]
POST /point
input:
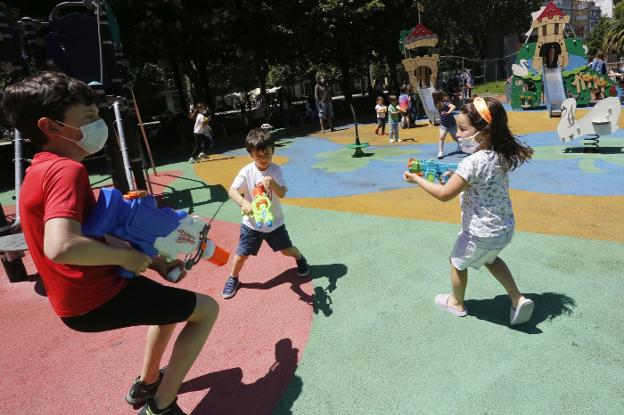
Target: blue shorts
[(251, 239)]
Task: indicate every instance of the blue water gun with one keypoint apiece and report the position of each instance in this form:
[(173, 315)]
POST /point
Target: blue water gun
[(431, 170), (136, 220)]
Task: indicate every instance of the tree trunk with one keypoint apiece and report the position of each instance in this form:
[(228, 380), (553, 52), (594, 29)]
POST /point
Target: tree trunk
[(394, 76), (177, 78), (346, 80), (369, 79), (205, 84)]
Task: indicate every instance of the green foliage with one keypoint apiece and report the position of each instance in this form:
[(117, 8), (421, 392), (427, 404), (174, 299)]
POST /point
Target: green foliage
[(280, 75), (614, 38), (618, 11), (225, 46), (596, 37)]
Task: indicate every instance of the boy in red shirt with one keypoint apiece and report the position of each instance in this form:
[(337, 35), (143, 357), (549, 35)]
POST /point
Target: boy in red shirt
[(59, 116)]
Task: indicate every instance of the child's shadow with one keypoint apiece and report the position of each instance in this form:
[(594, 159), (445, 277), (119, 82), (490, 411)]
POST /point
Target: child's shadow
[(321, 300), (38, 286), (547, 307), (229, 395)]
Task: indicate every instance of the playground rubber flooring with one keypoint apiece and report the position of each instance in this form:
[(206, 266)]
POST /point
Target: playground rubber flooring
[(362, 334)]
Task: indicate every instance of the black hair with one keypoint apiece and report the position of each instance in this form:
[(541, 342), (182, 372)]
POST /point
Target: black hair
[(259, 139), (49, 94), (438, 98)]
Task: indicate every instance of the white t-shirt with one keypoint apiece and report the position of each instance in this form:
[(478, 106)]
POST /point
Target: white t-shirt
[(381, 110), (486, 206), (201, 127), (245, 181)]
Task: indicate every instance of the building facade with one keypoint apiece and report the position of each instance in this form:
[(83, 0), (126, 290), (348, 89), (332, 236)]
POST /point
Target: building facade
[(584, 14)]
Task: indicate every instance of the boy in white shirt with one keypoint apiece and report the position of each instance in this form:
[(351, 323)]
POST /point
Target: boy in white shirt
[(261, 176)]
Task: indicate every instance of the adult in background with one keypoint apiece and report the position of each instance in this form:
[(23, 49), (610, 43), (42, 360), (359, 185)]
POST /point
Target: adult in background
[(323, 96), (598, 64)]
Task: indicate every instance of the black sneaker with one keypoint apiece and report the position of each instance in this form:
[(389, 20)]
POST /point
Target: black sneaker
[(230, 287), (140, 392), (303, 269), (172, 409)]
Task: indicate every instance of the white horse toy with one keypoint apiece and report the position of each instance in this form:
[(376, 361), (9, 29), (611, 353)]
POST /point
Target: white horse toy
[(602, 119)]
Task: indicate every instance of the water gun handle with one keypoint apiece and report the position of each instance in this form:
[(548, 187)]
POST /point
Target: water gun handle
[(174, 275)]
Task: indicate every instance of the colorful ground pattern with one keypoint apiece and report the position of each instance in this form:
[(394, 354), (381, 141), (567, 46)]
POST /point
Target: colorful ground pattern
[(362, 335)]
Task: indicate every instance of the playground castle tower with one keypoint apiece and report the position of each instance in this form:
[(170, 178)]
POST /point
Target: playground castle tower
[(550, 26), (422, 70)]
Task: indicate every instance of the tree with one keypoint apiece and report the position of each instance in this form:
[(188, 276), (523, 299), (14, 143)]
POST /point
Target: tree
[(614, 36), (596, 37)]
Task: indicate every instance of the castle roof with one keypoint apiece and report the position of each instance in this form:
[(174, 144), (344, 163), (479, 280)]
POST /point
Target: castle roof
[(419, 32), (550, 11)]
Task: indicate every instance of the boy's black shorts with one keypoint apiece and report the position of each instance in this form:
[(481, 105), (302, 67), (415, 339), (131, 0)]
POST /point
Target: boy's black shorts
[(251, 239), (142, 302)]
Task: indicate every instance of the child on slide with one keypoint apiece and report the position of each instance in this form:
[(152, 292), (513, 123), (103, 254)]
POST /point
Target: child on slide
[(482, 182)]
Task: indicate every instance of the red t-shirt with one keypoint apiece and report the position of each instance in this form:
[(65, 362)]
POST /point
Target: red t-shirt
[(58, 187)]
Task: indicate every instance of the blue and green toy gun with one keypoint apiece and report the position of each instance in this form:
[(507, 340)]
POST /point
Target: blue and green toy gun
[(431, 170)]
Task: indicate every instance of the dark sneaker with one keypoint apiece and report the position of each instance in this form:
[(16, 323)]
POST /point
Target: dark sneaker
[(303, 269), (230, 287), (140, 392), (172, 409)]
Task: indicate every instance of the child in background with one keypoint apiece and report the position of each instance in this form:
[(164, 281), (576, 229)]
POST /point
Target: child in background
[(261, 172), (394, 114), (405, 104), (202, 132), (447, 120), (381, 111), (482, 182)]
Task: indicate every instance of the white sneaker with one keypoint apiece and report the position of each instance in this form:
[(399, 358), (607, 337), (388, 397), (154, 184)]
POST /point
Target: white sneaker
[(441, 155), (522, 313), (192, 160), (201, 155)]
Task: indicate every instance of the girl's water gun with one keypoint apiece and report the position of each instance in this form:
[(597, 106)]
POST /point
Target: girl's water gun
[(430, 169), (136, 220), (261, 207)]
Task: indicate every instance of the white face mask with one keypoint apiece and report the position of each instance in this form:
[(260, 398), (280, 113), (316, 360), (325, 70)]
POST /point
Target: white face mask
[(94, 136), (469, 144)]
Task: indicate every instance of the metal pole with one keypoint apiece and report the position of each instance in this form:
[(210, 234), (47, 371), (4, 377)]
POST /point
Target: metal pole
[(18, 172), (147, 146), (123, 144), (97, 18)]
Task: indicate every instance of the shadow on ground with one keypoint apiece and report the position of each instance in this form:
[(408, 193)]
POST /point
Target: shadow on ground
[(183, 199), (320, 301), (548, 306), (229, 395), (598, 150)]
